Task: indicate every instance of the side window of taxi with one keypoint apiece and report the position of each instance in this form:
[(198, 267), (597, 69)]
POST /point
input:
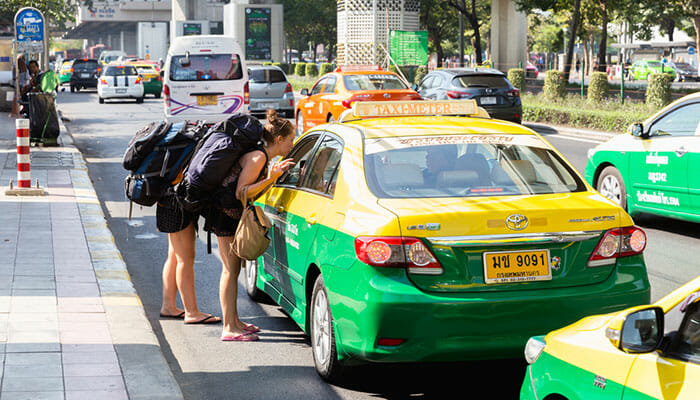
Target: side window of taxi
[(301, 153), (330, 85), (684, 121), (686, 344), (319, 85), (322, 175)]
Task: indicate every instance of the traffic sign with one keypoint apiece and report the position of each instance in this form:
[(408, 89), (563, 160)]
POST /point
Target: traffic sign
[(409, 47), (691, 50), (29, 30)]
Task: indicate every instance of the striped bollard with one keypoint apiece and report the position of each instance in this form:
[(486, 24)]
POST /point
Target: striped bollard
[(24, 179)]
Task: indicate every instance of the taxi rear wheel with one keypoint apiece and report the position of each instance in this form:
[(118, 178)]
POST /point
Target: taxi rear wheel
[(611, 185), (251, 279), (101, 100), (300, 123), (322, 335)]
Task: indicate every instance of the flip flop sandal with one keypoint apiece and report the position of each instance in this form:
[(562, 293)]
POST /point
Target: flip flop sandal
[(177, 316), (244, 337), (250, 328), (206, 320)]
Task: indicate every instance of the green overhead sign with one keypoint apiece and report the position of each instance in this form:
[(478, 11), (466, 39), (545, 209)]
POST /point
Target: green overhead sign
[(409, 47)]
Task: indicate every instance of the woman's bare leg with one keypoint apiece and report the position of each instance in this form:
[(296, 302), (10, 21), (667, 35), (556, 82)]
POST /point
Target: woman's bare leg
[(169, 305), (228, 288)]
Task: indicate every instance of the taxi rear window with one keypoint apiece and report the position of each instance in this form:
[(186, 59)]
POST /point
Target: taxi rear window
[(466, 166), (373, 82)]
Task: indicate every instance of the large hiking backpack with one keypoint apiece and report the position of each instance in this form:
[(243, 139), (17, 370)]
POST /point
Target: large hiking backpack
[(156, 157), (213, 158)]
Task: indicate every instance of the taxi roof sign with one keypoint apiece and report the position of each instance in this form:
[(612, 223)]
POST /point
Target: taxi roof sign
[(365, 109)]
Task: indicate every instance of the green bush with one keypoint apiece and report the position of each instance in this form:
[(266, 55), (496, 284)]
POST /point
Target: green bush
[(554, 85), (326, 68), (659, 90), (285, 67), (300, 69), (598, 87), (421, 72), (293, 68), (311, 69), (516, 76)]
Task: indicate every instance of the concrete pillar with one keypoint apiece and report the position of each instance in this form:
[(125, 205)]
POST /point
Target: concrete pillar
[(508, 35)]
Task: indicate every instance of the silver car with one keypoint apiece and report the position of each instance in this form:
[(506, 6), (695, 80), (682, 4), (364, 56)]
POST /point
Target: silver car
[(269, 89)]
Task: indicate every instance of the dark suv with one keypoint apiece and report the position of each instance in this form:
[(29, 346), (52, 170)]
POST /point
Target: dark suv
[(489, 87), (84, 74)]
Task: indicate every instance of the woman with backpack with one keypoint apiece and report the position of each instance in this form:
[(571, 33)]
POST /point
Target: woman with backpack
[(249, 172)]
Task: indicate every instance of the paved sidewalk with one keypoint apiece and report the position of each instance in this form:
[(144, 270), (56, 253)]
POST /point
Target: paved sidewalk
[(71, 323)]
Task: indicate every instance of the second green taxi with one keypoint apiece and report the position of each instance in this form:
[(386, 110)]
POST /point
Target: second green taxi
[(426, 231)]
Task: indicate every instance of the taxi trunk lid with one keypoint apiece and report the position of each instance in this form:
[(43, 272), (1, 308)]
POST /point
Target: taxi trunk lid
[(465, 234), (386, 95)]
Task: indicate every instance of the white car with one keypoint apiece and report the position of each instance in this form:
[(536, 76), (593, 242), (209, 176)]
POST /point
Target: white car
[(120, 82)]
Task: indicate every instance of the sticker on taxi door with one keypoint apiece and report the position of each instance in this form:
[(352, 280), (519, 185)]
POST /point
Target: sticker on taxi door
[(517, 266)]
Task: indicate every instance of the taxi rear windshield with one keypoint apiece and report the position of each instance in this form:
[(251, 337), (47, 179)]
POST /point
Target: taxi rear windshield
[(373, 82), (211, 67), (466, 166), (119, 71)]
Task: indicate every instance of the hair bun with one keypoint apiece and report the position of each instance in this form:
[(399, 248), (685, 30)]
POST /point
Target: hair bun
[(271, 115)]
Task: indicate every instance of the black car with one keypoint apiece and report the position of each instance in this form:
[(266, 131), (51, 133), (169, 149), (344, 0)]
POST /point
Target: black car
[(489, 87), (84, 74)]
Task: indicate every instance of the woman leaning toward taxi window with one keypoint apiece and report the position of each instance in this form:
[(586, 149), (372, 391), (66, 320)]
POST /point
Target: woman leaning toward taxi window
[(251, 171)]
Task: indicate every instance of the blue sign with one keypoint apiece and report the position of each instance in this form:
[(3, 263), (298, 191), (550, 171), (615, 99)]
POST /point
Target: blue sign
[(30, 25), (691, 50)]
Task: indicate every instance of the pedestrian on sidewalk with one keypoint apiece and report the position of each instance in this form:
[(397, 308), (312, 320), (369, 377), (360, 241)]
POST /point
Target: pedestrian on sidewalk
[(250, 171), (178, 270)]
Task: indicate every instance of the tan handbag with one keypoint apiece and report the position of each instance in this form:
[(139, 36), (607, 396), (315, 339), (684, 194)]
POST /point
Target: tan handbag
[(252, 235)]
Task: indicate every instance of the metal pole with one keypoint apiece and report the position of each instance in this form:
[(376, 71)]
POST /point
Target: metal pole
[(461, 39), (583, 74), (622, 84)]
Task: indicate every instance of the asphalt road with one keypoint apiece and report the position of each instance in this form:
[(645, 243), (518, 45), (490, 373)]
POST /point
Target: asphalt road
[(281, 365)]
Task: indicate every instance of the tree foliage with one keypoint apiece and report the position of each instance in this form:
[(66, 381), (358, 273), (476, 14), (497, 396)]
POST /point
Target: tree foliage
[(57, 12), (310, 22)]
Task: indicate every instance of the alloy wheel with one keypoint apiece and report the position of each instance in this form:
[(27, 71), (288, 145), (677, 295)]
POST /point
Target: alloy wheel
[(321, 329), (610, 187)]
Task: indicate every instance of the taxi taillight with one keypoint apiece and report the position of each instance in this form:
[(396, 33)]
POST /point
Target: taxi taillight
[(397, 252), (616, 243), (347, 103)]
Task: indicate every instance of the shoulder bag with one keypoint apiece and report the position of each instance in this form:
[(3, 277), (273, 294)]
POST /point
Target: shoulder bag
[(252, 235)]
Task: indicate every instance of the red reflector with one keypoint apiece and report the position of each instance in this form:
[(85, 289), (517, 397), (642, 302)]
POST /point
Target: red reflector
[(84, 59), (389, 342), (205, 50)]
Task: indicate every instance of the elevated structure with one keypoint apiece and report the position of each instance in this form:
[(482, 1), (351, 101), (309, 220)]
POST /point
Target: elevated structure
[(364, 26), (508, 35)]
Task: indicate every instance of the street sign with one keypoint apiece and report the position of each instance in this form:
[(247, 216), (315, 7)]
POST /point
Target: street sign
[(29, 30), (409, 47), (691, 51)]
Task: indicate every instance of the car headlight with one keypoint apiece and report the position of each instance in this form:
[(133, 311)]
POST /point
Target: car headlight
[(533, 349)]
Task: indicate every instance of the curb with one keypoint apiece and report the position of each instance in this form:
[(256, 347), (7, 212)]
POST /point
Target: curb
[(571, 131), (144, 368)]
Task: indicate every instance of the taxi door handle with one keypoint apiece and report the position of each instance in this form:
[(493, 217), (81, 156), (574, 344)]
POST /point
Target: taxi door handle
[(681, 151), (279, 208), (311, 221)]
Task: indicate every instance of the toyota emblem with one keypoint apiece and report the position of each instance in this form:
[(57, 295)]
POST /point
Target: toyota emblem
[(517, 222)]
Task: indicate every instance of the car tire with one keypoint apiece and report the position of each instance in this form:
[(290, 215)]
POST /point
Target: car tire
[(72, 89), (157, 95), (299, 123), (101, 100), (611, 185), (251, 278), (139, 100), (322, 335)]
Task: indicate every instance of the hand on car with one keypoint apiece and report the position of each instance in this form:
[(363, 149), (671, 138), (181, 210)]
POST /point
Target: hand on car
[(281, 167)]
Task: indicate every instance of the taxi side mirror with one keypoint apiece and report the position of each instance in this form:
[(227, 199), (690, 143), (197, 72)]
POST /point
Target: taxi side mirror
[(641, 330), (304, 92), (636, 130)]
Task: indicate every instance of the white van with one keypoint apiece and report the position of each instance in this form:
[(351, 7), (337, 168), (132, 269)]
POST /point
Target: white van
[(205, 78), (108, 56)]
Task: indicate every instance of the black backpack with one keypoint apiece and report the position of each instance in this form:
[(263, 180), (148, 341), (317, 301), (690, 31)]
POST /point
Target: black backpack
[(156, 157), (213, 158)]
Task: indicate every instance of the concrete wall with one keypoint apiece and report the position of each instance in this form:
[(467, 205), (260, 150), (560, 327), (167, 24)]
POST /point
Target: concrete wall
[(508, 35)]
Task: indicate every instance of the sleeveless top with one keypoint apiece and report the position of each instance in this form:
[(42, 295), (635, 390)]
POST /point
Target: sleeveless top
[(231, 183)]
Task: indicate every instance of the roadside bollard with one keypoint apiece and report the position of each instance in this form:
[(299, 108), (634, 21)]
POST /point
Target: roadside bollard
[(24, 179)]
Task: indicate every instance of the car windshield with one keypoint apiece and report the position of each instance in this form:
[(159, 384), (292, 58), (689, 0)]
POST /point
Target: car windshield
[(654, 64), (120, 70), (109, 59), (466, 166), (267, 76), (490, 81), (144, 69), (212, 67), (85, 65), (373, 82)]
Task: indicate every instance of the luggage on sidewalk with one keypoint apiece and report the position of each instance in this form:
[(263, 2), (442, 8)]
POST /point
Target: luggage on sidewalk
[(43, 119), (222, 147), (157, 156)]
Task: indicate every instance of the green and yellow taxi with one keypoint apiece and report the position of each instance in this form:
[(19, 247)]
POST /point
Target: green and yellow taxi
[(152, 81), (644, 352), (427, 231), (65, 71), (643, 69), (651, 168)]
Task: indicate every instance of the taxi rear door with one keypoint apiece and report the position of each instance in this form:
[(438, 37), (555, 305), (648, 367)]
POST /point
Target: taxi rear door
[(310, 218), (314, 106)]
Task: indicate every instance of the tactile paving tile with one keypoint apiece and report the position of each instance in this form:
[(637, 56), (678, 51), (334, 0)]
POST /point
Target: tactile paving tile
[(44, 160)]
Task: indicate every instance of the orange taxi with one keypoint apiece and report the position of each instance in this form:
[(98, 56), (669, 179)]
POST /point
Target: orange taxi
[(335, 92)]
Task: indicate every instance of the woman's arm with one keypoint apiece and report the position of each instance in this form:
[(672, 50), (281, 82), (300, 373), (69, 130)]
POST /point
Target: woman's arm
[(253, 163)]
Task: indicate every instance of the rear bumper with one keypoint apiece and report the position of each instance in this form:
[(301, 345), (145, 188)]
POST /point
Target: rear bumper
[(133, 92), (261, 105), (469, 326), (84, 82), (513, 114)]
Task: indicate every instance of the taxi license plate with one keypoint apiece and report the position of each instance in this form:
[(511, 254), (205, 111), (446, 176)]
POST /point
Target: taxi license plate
[(210, 100), (517, 266), (488, 100), (121, 90)]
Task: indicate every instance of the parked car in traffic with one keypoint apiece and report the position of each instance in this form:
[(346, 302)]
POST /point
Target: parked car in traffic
[(335, 92), (652, 168), (64, 71), (489, 87), (269, 88), (642, 69), (415, 231), (120, 82), (645, 352), (84, 73), (152, 81)]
